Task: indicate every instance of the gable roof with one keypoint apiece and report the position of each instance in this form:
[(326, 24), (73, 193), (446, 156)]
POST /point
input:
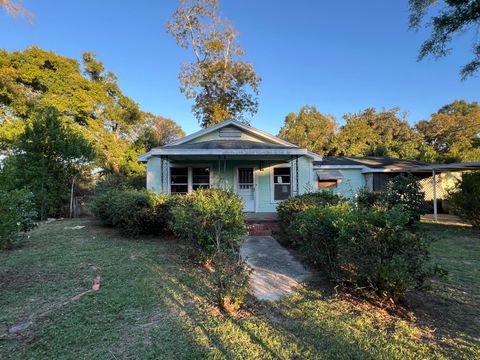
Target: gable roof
[(372, 162), (228, 144), (231, 122)]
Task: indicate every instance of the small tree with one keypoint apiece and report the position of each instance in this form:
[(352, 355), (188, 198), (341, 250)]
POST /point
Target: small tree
[(405, 192), (464, 199)]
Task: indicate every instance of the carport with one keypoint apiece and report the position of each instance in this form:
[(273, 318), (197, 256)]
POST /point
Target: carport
[(436, 169)]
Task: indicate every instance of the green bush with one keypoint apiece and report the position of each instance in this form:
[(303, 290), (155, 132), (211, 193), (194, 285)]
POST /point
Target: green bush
[(371, 250), (212, 219), (464, 199), (367, 199), (288, 208), (133, 211), (17, 214), (405, 191), (318, 229)]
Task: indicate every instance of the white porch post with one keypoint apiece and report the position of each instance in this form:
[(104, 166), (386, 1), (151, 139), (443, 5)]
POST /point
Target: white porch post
[(294, 177), (434, 176)]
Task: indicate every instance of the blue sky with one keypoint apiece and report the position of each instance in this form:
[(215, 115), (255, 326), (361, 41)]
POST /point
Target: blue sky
[(341, 56)]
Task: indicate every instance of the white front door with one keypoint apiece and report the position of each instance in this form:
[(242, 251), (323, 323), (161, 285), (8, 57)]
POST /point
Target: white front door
[(246, 187)]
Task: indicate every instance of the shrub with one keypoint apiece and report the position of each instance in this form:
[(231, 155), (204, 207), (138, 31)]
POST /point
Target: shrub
[(133, 211), (405, 191), (464, 199), (367, 199), (288, 208), (369, 249), (318, 229), (213, 221), (17, 212)]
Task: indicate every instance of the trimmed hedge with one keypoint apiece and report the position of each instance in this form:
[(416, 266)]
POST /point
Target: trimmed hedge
[(134, 212), (17, 214)]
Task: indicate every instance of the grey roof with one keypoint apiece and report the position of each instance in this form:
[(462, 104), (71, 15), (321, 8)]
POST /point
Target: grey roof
[(228, 144), (371, 162)]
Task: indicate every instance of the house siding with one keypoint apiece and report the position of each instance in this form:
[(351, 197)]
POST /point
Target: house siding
[(264, 201), (353, 181)]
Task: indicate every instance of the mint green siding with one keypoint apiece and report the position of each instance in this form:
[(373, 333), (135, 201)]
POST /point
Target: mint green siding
[(224, 177), (353, 181)]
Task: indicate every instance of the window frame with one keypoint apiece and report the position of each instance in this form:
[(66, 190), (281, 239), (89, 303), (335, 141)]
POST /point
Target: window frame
[(272, 181), (189, 168)]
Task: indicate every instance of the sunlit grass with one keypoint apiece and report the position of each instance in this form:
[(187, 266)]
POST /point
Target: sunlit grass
[(156, 303)]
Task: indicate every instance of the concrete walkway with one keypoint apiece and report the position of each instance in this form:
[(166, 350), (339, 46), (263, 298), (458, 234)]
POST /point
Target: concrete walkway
[(275, 271)]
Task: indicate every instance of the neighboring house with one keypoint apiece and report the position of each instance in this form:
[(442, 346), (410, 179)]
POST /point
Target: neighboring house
[(261, 168)]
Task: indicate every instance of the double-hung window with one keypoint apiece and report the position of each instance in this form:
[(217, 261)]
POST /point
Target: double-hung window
[(281, 183), (184, 180)]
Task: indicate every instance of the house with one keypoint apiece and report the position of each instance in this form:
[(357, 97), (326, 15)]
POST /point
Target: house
[(264, 169), (261, 168)]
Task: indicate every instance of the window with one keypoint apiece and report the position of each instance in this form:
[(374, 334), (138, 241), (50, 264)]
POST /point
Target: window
[(178, 180), (326, 184), (281, 183), (200, 178), (186, 179)]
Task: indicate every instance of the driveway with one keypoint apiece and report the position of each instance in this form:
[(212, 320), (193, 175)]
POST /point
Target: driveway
[(276, 273)]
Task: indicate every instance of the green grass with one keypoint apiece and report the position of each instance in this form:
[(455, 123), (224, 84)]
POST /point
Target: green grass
[(156, 303)]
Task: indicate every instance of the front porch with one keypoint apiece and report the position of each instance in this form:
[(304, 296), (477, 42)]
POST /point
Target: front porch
[(261, 181)]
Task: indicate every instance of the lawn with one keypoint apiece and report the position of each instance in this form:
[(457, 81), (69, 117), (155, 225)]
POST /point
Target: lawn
[(155, 303)]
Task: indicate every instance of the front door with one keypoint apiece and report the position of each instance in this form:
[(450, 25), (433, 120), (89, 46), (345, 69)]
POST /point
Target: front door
[(246, 187)]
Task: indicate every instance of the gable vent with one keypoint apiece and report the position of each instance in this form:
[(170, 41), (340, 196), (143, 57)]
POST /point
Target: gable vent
[(229, 132)]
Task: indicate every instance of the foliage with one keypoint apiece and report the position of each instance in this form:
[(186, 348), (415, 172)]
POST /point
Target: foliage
[(46, 157), (453, 18), (17, 212), (453, 132), (222, 85), (159, 131), (288, 208), (370, 250), (86, 96), (372, 133), (134, 212), (309, 129), (464, 199), (367, 199), (405, 192), (212, 220)]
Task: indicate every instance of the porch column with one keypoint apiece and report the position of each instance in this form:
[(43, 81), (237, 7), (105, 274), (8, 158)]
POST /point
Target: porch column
[(294, 176), (165, 181)]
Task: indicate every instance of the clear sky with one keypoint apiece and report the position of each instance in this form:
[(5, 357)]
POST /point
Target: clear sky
[(341, 56)]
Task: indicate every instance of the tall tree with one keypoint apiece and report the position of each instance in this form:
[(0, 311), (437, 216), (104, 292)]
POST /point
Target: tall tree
[(454, 131), (158, 131), (89, 102), (222, 85), (454, 17), (45, 159), (310, 129), (372, 133)]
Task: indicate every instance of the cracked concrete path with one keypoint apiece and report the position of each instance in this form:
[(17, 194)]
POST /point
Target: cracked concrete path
[(275, 271)]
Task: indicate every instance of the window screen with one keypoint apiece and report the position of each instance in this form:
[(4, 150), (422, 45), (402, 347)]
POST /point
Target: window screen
[(200, 178), (281, 183), (178, 180)]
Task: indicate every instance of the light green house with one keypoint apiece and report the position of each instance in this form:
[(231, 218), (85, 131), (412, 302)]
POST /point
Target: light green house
[(261, 168)]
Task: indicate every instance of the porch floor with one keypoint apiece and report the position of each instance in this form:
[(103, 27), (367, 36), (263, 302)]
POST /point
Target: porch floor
[(252, 217)]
